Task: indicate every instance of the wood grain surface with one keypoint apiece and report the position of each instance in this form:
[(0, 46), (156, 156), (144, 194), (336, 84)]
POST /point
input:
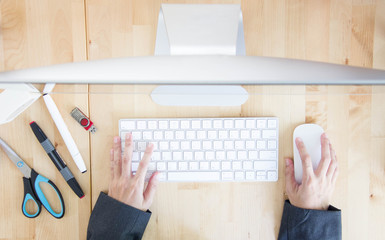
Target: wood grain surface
[(45, 32)]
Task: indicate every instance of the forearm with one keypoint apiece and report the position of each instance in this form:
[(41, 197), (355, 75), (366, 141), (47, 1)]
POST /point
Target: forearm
[(112, 219), (298, 223)]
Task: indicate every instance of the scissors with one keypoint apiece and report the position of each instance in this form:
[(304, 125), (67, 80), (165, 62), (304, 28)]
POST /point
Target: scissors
[(32, 190)]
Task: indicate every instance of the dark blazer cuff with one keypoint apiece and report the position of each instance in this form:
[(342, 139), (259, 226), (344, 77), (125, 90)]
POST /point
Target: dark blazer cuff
[(299, 223), (112, 219)]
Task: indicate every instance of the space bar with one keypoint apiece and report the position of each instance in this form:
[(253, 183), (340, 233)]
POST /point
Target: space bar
[(193, 176)]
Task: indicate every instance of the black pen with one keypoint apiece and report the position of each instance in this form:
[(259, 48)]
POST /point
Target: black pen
[(56, 159)]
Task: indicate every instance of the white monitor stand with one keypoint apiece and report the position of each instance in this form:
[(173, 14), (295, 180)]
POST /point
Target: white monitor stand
[(200, 29)]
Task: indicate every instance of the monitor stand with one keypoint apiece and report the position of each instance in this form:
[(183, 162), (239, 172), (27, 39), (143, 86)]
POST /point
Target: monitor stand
[(200, 29)]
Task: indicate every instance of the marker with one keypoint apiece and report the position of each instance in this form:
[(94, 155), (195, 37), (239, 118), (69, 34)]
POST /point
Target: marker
[(56, 159), (64, 132)]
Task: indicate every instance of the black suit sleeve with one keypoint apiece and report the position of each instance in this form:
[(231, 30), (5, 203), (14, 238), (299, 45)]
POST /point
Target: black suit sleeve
[(298, 223), (112, 219)]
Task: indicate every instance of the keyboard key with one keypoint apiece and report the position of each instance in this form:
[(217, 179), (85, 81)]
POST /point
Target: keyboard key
[(229, 145), (234, 134), (250, 144), (261, 123), (141, 125), (174, 124), (155, 156), (218, 145), (215, 166), (269, 134), (163, 124), (128, 125), (231, 155), (190, 135), (207, 145), (264, 165), (261, 176), (245, 134), (217, 124), (152, 125), (162, 176), (221, 155), (272, 176), (228, 124), (239, 145), (207, 124), (267, 155), (179, 135), (253, 155), (250, 175), (212, 135), (193, 176), (168, 135), (247, 165), (136, 136), (227, 176), (193, 166), (188, 156), (239, 124), (250, 124), (164, 145), (166, 156), (184, 124), (261, 144), (201, 135), (185, 145), (272, 144), (223, 135), (135, 156), (174, 145), (160, 166), (272, 123), (237, 165), (204, 165), (239, 176), (195, 145), (176, 156), (152, 166), (134, 166), (147, 135), (226, 165), (141, 146), (171, 166), (255, 134), (182, 166), (195, 124), (199, 156), (242, 155), (210, 155), (158, 135)]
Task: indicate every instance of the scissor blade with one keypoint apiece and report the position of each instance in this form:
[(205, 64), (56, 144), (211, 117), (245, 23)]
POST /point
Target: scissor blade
[(20, 164)]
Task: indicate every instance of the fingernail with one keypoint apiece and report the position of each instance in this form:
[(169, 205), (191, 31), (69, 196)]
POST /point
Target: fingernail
[(116, 139), (151, 145), (287, 161), (298, 139)]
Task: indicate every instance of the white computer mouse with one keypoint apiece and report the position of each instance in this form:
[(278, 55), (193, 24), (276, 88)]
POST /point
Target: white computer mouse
[(311, 136)]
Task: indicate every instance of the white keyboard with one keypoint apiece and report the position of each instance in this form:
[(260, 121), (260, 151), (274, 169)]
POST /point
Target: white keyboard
[(207, 149)]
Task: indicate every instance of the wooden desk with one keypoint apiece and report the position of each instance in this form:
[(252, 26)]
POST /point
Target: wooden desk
[(48, 32)]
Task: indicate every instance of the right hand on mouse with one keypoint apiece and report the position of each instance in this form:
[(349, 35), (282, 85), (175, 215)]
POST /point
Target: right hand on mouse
[(317, 185)]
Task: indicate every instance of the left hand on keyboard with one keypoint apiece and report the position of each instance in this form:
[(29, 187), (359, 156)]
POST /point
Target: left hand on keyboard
[(126, 187)]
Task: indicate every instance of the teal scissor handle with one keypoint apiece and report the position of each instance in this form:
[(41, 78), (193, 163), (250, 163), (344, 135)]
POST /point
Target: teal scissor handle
[(35, 194), (29, 195)]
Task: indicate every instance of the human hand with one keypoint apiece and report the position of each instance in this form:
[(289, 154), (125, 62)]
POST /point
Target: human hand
[(317, 186), (126, 187)]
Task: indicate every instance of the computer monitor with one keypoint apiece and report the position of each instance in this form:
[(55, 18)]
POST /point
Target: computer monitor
[(214, 64)]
